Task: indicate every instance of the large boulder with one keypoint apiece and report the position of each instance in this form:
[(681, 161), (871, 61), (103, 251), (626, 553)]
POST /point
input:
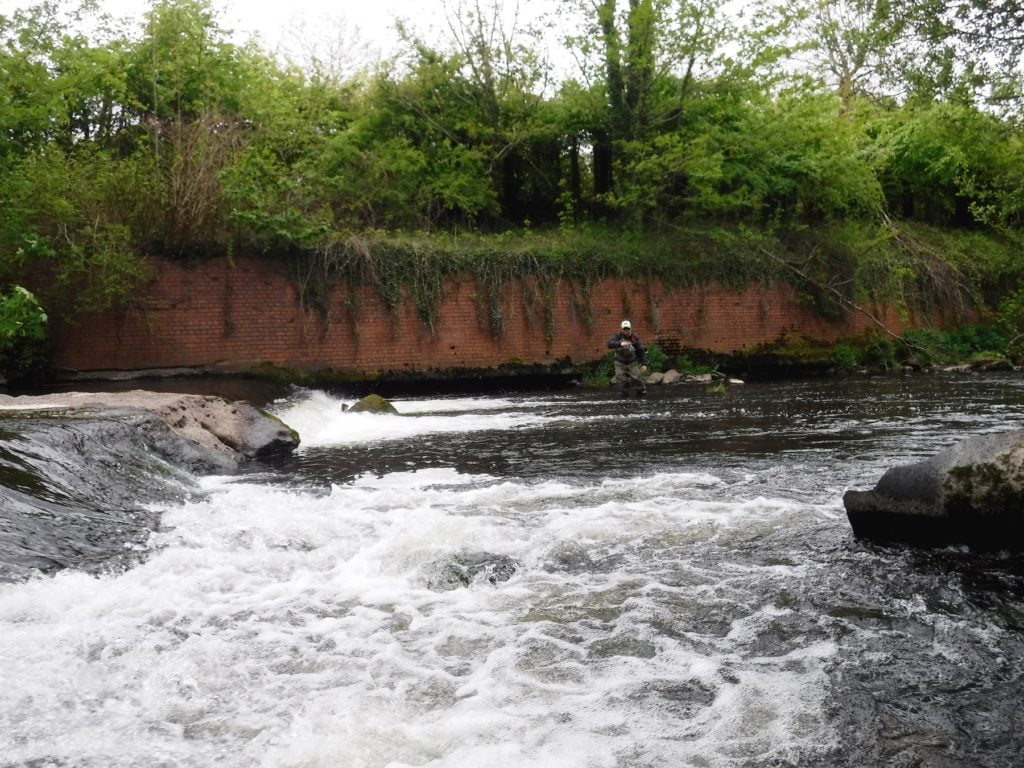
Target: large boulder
[(79, 472), (971, 493), (373, 404), (229, 431), (465, 569)]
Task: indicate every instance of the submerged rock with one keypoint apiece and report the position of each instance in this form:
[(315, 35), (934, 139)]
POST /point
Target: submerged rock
[(373, 404), (468, 568), (991, 364), (671, 377), (76, 487), (971, 493)]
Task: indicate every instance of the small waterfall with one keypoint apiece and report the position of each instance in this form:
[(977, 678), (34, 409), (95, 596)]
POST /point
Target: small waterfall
[(74, 487)]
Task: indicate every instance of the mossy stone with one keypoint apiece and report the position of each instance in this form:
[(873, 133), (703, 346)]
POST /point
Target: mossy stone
[(373, 404)]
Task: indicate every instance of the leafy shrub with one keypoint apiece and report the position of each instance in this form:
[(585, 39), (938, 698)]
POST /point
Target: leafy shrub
[(844, 357), (656, 358), (601, 374), (689, 368), (956, 345), (23, 348), (1010, 318), (881, 353)]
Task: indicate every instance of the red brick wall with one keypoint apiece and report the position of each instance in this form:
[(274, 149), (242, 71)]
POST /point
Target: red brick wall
[(233, 316)]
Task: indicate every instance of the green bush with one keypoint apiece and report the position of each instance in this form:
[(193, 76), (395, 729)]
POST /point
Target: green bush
[(656, 358), (1010, 319), (957, 345), (23, 340), (880, 352), (844, 357), (601, 374), (689, 368)]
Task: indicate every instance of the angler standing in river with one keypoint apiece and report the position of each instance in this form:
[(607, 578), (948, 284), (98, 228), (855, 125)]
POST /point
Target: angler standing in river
[(630, 360)]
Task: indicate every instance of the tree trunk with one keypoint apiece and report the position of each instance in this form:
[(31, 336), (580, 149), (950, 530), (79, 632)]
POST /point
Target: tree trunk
[(603, 178), (575, 181), (510, 188)]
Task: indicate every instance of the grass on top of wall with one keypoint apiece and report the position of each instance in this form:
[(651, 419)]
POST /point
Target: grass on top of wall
[(833, 267)]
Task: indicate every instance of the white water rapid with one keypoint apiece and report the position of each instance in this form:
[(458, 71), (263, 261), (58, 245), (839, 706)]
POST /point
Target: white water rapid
[(280, 622)]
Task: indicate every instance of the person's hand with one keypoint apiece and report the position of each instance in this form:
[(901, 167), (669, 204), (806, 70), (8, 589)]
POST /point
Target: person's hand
[(625, 344)]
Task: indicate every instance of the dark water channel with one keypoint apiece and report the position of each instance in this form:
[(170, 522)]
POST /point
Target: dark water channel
[(682, 589)]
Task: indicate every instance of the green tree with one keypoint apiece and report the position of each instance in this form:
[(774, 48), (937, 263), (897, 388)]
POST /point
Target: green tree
[(497, 76), (647, 56), (970, 49), (31, 105), (23, 335), (757, 160), (276, 183), (187, 89), (855, 42), (420, 156), (183, 66), (69, 204), (950, 164)]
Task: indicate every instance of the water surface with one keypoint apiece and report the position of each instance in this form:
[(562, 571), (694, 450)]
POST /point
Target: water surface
[(686, 592)]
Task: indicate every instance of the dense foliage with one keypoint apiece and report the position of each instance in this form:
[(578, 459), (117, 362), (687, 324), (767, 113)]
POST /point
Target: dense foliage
[(22, 335), (843, 144)]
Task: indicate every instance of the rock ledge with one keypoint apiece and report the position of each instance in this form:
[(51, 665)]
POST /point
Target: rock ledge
[(230, 431)]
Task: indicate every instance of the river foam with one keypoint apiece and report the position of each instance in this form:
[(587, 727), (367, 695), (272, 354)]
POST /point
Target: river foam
[(667, 582), (294, 627), (322, 421)]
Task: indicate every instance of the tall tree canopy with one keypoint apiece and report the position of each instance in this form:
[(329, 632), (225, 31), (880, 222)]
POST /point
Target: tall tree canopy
[(169, 137)]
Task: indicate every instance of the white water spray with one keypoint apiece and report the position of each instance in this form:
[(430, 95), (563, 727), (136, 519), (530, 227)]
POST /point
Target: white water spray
[(284, 626)]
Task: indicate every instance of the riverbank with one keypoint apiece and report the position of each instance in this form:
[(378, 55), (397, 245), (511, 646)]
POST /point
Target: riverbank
[(970, 348), (247, 316), (542, 304)]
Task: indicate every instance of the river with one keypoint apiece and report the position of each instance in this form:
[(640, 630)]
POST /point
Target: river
[(540, 579)]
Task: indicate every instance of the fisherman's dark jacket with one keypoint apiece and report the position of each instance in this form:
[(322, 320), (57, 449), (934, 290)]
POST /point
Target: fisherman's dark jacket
[(637, 353)]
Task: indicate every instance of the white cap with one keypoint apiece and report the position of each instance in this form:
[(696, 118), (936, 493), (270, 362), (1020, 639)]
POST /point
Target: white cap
[(626, 324)]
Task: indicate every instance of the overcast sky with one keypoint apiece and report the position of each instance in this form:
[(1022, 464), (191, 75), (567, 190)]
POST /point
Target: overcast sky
[(375, 19), (269, 18), (282, 22)]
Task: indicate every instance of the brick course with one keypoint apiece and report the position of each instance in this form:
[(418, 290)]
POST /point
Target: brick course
[(238, 314)]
